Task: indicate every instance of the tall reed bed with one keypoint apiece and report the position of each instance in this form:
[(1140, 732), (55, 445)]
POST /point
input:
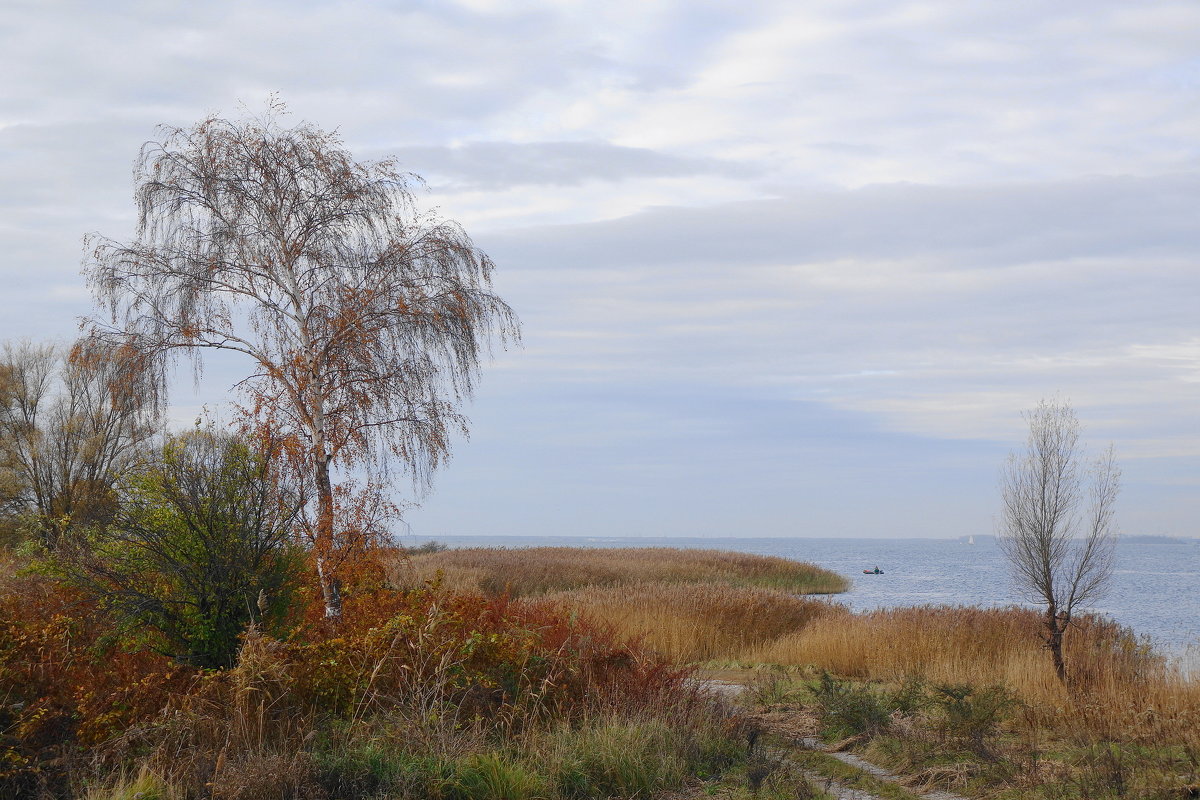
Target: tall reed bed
[(1122, 691), (541, 570), (697, 622), (952, 644)]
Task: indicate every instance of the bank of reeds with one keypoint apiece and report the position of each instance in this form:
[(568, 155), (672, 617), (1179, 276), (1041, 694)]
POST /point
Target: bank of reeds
[(952, 644), (967, 700), (698, 622), (1122, 691), (522, 572)]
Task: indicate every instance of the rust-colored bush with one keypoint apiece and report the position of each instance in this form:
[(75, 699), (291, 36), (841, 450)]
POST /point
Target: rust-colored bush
[(64, 681), (442, 668)]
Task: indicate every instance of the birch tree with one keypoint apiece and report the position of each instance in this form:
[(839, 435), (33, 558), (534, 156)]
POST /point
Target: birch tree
[(364, 320), (1058, 531)]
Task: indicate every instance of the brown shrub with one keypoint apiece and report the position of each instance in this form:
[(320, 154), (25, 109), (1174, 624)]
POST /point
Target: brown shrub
[(64, 682)]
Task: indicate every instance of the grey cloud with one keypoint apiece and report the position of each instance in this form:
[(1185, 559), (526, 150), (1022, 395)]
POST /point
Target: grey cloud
[(957, 306), (492, 165), (401, 70), (972, 226), (903, 306)]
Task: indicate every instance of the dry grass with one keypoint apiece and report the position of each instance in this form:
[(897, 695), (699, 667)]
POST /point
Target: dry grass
[(946, 644), (689, 622), (965, 645), (541, 570), (713, 606), (1125, 692)]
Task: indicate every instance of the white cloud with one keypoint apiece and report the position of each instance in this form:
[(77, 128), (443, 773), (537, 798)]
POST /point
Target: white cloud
[(877, 225)]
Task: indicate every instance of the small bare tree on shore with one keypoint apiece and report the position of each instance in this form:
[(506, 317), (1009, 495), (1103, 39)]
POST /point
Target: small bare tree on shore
[(1057, 531)]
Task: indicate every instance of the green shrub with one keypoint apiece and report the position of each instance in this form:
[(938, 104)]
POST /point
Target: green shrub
[(847, 709), (971, 716), (909, 698), (199, 547), (431, 546), (772, 686)]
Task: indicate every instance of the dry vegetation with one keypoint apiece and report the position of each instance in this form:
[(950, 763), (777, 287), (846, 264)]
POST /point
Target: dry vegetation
[(967, 699), (415, 694), (1124, 691), (698, 622), (708, 606), (951, 644), (961, 698), (541, 570), (579, 692)]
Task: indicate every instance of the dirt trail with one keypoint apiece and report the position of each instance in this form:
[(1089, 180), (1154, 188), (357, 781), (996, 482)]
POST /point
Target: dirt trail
[(875, 771), (832, 786)]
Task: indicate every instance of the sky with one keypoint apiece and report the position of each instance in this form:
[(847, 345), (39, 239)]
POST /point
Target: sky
[(783, 268)]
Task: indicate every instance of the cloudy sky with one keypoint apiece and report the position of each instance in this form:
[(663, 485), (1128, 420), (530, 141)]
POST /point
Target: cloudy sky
[(784, 268)]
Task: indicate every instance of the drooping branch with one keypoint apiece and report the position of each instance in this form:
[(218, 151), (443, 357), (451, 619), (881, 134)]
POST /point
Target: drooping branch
[(366, 320)]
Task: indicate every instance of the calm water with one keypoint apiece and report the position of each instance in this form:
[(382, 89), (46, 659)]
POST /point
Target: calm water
[(1154, 588)]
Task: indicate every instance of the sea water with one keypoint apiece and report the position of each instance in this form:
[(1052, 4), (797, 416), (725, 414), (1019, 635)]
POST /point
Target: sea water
[(1155, 587)]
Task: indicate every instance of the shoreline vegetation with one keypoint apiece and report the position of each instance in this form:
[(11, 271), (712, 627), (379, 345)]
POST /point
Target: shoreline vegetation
[(550, 673), (525, 571), (957, 698)]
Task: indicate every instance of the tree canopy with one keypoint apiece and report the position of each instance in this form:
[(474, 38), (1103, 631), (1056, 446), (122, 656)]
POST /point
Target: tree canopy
[(365, 319)]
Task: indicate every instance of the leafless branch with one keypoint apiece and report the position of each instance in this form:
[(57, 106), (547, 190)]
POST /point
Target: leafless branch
[(1060, 551)]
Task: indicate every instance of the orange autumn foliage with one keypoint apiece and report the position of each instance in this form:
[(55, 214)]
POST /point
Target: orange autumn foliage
[(63, 681), (67, 687)]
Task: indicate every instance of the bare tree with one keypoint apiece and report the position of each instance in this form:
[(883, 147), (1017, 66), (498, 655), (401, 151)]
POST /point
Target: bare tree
[(365, 320), (1057, 530), (70, 422)]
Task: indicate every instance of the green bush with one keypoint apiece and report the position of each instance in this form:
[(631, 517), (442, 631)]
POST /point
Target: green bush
[(970, 716), (911, 697), (198, 548), (772, 686), (431, 546), (847, 709)]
